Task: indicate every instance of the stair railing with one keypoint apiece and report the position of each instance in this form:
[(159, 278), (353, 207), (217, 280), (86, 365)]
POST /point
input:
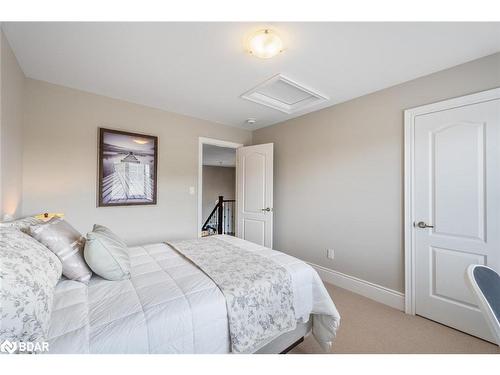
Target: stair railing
[(221, 219)]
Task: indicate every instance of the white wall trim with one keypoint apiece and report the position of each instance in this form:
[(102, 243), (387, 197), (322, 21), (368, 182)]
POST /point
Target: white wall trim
[(365, 288), (409, 133), (214, 142)]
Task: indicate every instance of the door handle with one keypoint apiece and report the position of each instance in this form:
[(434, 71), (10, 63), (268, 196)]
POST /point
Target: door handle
[(422, 225), (267, 209)]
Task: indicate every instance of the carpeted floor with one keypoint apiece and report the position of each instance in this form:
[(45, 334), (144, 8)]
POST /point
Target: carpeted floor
[(371, 327)]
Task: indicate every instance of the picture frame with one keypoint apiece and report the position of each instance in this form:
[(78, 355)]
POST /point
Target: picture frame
[(128, 168)]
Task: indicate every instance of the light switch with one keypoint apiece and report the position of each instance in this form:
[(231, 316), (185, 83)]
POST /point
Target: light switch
[(330, 253), (191, 190)]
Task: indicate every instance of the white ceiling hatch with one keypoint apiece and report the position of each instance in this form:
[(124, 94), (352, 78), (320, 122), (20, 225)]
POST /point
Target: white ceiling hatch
[(283, 94), (201, 69)]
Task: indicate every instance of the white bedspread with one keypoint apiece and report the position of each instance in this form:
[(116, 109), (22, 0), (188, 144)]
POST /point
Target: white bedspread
[(169, 306)]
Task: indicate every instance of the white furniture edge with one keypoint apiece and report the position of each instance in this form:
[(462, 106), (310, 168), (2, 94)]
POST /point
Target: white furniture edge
[(365, 288), (409, 133), (483, 303), (214, 142)]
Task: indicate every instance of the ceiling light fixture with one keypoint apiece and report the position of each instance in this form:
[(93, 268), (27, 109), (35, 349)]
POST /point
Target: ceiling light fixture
[(265, 44)]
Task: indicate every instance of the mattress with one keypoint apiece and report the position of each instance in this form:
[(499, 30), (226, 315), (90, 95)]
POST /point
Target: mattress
[(167, 306)]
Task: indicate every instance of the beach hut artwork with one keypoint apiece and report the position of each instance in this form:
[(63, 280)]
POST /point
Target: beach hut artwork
[(127, 168)]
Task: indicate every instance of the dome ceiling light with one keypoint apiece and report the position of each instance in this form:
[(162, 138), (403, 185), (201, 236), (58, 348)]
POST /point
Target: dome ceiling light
[(265, 43)]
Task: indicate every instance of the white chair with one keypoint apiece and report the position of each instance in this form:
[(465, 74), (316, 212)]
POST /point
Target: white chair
[(485, 285)]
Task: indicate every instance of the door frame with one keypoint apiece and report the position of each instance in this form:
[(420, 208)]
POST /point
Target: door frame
[(214, 142), (409, 179)]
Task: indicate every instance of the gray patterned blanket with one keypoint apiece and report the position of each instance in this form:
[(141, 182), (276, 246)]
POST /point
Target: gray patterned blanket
[(258, 291)]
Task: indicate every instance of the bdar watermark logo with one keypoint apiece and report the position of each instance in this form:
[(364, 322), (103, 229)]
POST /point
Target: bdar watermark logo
[(11, 347), (8, 347)]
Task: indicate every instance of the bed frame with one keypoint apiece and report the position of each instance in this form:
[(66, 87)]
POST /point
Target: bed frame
[(287, 341)]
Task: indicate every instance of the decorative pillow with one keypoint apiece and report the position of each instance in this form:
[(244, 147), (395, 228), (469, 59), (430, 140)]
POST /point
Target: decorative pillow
[(21, 224), (28, 275), (64, 241), (106, 254)]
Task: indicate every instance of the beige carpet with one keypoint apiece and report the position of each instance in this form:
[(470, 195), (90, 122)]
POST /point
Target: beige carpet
[(371, 327)]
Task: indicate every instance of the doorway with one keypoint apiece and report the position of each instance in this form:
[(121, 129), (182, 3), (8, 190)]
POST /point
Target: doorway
[(217, 187), (249, 214)]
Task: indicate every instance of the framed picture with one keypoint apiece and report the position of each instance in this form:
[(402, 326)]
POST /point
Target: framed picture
[(127, 168)]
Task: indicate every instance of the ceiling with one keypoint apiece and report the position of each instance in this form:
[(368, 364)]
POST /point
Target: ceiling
[(219, 156), (201, 69)]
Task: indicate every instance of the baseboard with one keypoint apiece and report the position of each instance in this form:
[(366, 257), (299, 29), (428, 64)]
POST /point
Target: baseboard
[(365, 288)]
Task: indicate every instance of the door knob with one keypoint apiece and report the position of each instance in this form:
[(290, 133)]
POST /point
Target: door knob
[(267, 209), (423, 225)]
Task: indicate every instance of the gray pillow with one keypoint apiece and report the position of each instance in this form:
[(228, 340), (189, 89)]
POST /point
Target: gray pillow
[(106, 254), (67, 243)]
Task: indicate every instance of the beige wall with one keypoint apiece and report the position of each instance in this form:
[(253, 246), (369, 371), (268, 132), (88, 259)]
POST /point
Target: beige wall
[(60, 161), (339, 174), (217, 181), (338, 171), (11, 142)]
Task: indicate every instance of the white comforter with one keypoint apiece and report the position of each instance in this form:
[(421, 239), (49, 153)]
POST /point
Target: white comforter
[(170, 306)]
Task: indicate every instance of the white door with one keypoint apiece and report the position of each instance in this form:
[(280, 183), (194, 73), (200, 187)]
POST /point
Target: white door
[(456, 209), (254, 194)]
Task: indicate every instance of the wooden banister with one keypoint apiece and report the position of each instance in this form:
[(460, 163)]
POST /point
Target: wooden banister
[(221, 218)]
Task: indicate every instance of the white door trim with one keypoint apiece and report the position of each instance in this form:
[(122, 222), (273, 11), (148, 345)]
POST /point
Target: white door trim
[(214, 142), (409, 178)]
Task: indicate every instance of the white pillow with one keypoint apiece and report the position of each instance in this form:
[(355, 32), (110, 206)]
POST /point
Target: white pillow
[(29, 274), (106, 254)]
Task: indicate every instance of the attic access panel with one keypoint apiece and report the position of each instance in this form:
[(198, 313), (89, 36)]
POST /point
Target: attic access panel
[(283, 94)]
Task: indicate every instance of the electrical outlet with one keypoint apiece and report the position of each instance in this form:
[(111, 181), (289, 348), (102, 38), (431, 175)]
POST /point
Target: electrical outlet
[(330, 253)]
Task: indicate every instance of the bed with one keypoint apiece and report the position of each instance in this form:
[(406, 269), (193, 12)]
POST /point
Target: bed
[(169, 305)]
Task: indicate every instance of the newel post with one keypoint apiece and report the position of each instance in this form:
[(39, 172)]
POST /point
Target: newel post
[(219, 214)]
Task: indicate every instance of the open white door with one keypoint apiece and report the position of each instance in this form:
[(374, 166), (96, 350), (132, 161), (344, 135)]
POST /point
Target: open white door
[(456, 204), (254, 194)]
